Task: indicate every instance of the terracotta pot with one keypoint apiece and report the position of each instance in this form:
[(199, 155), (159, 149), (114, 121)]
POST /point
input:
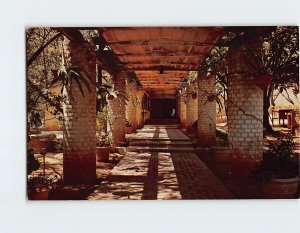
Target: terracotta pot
[(263, 81), (102, 154), (110, 97), (129, 129), (281, 188), (42, 194)]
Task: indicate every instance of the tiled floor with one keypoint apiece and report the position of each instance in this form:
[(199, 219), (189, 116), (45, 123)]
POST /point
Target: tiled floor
[(151, 175)]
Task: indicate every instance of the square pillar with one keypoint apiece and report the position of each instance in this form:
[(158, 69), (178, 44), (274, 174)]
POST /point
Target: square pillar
[(116, 111), (191, 110), (206, 111), (79, 160), (131, 107), (245, 112), (182, 112)]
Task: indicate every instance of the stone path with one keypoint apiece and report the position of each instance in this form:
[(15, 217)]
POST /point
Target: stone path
[(173, 171)]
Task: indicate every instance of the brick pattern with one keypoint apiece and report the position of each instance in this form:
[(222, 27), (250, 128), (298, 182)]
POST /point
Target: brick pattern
[(79, 160), (206, 111), (116, 111), (182, 112), (245, 114), (191, 110), (131, 107)]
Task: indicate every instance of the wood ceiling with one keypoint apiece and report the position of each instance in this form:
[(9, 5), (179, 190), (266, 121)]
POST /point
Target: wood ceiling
[(161, 56)]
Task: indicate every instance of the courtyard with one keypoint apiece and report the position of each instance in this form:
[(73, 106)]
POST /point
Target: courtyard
[(162, 113)]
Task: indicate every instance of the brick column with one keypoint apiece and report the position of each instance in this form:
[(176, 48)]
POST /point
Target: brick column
[(245, 112), (206, 111), (116, 111), (131, 107), (191, 110), (79, 160), (182, 112)]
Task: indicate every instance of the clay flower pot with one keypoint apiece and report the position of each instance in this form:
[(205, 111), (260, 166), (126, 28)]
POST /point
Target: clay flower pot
[(129, 129), (281, 188), (110, 97), (263, 81), (102, 154)]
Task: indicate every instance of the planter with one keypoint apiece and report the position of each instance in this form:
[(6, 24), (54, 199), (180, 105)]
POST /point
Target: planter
[(129, 129), (40, 195), (102, 154), (281, 188), (194, 96), (110, 97), (263, 81)]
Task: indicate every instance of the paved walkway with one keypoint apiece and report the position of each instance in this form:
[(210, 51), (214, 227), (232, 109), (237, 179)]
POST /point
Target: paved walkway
[(161, 165)]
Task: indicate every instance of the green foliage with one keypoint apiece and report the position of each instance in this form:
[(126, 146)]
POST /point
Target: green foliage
[(101, 122), (281, 55), (43, 55), (277, 162), (36, 182)]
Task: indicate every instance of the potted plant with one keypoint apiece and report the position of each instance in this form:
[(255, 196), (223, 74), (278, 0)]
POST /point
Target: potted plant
[(194, 95), (103, 149), (129, 127), (38, 187), (278, 172)]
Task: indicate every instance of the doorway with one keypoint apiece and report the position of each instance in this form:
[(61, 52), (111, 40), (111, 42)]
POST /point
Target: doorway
[(163, 109)]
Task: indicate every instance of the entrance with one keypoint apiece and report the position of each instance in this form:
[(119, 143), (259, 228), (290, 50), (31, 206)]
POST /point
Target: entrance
[(163, 109)]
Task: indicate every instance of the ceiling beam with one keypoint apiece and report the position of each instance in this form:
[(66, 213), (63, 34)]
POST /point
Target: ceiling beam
[(159, 63), (162, 53), (162, 42), (103, 29), (162, 68)]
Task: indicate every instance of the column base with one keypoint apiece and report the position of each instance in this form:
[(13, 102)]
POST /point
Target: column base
[(206, 140), (242, 167), (79, 170)]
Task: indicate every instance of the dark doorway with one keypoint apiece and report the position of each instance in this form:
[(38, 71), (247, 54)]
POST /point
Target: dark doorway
[(163, 109)]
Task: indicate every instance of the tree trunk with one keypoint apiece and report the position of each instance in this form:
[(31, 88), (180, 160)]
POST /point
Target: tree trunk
[(266, 123)]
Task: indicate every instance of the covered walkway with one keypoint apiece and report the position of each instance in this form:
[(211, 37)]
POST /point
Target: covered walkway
[(162, 165)]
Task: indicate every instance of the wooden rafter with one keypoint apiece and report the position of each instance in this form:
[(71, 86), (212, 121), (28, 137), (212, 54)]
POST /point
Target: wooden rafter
[(160, 56)]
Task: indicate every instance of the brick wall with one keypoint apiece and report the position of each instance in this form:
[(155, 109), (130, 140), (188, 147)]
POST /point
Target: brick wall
[(116, 111), (191, 110), (206, 111), (131, 107), (245, 114), (79, 160)]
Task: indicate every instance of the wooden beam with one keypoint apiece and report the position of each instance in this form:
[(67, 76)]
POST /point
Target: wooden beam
[(72, 34), (162, 53), (161, 42), (159, 63), (215, 29), (164, 68)]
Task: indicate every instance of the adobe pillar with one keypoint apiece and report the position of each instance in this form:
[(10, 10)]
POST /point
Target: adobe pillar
[(131, 107), (79, 160), (191, 109), (245, 111), (182, 112), (206, 111), (116, 111)]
